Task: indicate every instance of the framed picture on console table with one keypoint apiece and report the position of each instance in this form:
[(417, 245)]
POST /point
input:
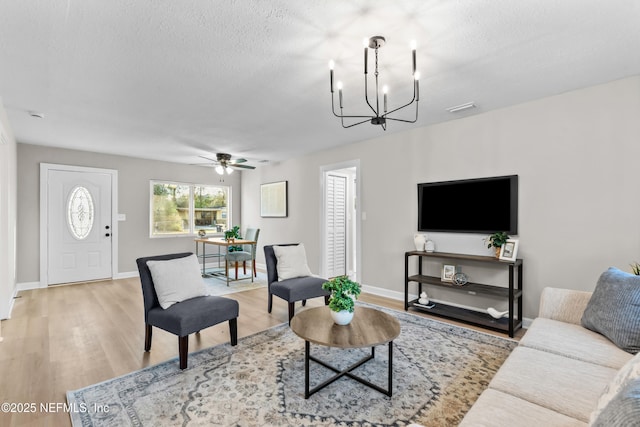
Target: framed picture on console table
[(448, 271), (509, 250)]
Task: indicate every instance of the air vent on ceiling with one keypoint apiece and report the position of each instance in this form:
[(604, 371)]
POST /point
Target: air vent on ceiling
[(461, 107)]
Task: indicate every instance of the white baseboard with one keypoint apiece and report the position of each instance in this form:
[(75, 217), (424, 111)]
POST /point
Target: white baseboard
[(125, 275), (27, 286), (399, 296)]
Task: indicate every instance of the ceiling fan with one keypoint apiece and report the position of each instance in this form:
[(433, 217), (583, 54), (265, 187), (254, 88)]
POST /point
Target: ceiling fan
[(224, 163)]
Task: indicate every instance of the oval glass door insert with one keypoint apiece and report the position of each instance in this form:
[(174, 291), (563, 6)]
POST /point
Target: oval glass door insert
[(80, 212)]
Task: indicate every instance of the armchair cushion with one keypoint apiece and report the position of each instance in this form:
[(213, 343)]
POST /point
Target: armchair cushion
[(614, 309), (299, 288), (194, 314), (177, 280), (292, 262)]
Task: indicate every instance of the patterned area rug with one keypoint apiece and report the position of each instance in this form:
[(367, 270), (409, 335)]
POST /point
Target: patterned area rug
[(218, 286), (439, 371)]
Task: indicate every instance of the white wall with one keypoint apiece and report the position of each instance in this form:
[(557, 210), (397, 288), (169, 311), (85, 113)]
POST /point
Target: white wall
[(133, 200), (8, 191), (579, 213)]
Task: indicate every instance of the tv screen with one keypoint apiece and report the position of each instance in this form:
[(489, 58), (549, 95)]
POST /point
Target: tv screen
[(483, 205)]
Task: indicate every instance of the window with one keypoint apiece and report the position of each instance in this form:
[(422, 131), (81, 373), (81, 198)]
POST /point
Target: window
[(80, 212), (182, 209)]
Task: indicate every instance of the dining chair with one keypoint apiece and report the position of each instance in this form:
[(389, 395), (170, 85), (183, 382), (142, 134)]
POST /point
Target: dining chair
[(248, 253)]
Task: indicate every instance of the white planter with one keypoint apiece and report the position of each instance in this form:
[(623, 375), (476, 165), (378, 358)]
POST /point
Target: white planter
[(342, 317)]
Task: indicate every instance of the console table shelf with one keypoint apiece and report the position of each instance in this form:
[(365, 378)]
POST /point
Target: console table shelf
[(512, 293)]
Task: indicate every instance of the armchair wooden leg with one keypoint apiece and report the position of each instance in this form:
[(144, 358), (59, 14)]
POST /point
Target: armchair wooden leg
[(292, 309), (269, 302), (326, 300), (244, 267), (255, 273), (304, 302), (148, 332), (236, 270), (233, 331), (183, 349)]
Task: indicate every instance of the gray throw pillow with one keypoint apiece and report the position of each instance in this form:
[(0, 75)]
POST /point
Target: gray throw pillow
[(614, 309), (623, 409)]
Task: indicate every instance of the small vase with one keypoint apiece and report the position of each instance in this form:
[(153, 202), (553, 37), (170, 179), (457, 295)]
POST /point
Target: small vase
[(419, 240), (342, 317), (498, 251)]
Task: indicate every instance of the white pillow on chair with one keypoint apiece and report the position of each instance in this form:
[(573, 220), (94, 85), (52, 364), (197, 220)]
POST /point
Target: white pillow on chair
[(177, 280), (292, 261)]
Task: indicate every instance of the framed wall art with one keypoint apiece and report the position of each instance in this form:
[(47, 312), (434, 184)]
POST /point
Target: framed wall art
[(273, 200)]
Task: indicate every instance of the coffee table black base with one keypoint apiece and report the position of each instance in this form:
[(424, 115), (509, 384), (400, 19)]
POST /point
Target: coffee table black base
[(346, 372)]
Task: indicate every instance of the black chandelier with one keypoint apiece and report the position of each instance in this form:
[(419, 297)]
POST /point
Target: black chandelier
[(379, 117)]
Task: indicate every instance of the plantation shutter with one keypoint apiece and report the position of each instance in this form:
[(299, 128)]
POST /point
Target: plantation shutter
[(336, 225)]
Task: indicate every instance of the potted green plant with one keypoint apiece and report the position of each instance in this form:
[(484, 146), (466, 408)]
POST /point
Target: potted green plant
[(230, 236), (496, 240), (635, 268), (344, 292)]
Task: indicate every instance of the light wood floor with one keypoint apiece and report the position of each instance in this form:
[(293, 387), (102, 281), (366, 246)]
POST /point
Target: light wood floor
[(68, 337)]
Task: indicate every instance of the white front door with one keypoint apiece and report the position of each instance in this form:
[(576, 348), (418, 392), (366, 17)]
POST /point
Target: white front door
[(79, 226)]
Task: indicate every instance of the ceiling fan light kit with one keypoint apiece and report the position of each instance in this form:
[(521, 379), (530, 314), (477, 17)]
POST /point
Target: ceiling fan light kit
[(380, 113), (224, 163)]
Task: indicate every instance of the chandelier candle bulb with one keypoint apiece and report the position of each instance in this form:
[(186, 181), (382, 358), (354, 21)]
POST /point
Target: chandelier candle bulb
[(331, 65), (365, 43), (417, 79), (340, 93), (413, 54), (385, 89)]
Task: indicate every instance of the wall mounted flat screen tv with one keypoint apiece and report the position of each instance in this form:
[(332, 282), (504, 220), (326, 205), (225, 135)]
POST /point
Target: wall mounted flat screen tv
[(483, 205)]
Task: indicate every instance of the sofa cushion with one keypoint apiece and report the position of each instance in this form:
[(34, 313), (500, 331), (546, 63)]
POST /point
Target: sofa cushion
[(177, 280), (629, 372), (614, 309), (292, 261), (574, 341), (623, 409), (570, 387), (497, 409)]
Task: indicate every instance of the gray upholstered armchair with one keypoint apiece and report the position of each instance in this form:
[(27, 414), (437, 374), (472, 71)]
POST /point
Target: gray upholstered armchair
[(294, 289), (186, 317)]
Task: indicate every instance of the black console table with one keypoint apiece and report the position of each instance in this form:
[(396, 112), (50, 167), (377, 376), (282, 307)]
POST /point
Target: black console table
[(513, 293)]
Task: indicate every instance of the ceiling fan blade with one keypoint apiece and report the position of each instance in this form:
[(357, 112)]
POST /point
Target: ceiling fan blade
[(242, 166), (236, 161), (211, 160)]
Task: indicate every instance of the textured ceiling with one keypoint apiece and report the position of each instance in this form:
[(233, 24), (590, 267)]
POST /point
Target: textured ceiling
[(172, 80)]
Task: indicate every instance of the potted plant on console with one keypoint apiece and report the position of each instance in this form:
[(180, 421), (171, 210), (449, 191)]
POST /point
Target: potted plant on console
[(496, 240), (344, 292)]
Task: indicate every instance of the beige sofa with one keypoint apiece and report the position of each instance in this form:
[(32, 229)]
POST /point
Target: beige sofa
[(556, 374)]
